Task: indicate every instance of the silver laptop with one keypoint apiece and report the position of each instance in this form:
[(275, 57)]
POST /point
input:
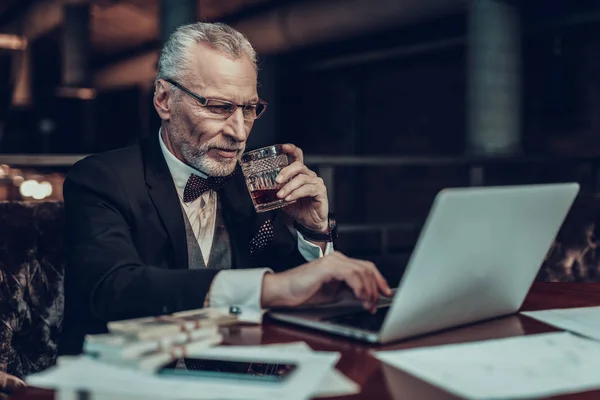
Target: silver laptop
[(476, 258)]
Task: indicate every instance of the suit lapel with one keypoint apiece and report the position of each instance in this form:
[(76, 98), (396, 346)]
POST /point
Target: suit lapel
[(163, 194)]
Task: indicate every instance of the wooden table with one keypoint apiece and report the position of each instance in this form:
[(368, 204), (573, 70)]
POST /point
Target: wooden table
[(379, 381)]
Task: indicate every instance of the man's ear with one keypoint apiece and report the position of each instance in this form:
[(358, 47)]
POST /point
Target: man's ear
[(162, 100)]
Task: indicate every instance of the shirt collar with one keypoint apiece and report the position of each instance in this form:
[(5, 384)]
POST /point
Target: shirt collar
[(179, 170)]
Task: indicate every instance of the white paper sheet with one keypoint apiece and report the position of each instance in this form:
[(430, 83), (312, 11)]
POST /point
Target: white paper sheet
[(70, 394), (584, 321), (333, 384), (94, 376), (520, 367)]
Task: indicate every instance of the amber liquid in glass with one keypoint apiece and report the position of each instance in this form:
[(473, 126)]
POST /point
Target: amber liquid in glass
[(263, 196)]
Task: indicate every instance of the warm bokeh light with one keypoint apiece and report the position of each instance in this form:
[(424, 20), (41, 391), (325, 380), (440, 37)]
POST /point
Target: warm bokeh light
[(35, 189), (12, 42)]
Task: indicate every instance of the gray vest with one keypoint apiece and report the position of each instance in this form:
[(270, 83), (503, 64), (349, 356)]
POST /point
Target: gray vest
[(220, 251)]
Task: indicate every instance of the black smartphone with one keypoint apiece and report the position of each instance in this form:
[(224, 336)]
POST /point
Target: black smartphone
[(212, 368)]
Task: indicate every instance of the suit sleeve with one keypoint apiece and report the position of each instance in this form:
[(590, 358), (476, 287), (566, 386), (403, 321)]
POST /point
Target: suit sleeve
[(103, 265)]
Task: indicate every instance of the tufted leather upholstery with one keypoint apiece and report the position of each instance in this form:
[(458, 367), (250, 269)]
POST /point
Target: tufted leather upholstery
[(575, 254), (31, 285)]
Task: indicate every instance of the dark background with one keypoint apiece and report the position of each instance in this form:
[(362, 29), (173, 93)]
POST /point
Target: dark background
[(398, 90)]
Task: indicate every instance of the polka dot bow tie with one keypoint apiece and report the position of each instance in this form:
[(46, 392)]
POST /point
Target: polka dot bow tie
[(197, 185)]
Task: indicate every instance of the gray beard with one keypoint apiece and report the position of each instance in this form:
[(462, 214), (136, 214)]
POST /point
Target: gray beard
[(197, 158)]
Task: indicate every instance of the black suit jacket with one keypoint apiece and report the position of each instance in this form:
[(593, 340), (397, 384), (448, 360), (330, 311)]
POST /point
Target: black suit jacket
[(126, 242)]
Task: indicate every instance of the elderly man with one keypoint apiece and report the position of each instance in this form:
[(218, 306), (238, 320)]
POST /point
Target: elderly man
[(168, 224)]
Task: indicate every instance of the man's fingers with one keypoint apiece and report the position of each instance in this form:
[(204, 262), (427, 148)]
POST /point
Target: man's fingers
[(305, 190), (358, 279), (382, 284), (343, 271), (309, 186), (292, 170), (355, 283), (10, 383), (363, 277), (369, 280), (289, 171), (367, 272), (369, 284), (294, 152)]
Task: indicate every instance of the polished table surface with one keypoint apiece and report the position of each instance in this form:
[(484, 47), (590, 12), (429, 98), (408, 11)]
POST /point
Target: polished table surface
[(379, 381)]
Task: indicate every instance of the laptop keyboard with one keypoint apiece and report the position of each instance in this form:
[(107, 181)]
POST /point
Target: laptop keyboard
[(362, 320)]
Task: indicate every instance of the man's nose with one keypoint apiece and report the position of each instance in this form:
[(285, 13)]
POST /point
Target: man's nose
[(236, 125)]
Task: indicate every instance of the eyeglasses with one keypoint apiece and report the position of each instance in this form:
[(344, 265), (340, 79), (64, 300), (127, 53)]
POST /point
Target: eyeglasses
[(223, 109)]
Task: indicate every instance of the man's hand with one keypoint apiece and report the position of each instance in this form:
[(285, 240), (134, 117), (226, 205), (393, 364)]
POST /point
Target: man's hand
[(9, 384), (304, 186), (322, 280)]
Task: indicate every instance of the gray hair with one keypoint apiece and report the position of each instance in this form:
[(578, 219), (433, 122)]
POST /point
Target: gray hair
[(174, 58)]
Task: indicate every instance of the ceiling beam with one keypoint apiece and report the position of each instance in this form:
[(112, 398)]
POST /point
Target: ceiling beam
[(105, 60), (303, 23), (100, 61), (139, 70), (258, 9), (41, 18)]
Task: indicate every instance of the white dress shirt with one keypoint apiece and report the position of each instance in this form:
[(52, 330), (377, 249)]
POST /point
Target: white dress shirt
[(235, 287)]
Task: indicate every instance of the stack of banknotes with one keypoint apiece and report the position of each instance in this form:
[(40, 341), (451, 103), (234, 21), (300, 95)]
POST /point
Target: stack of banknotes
[(151, 342)]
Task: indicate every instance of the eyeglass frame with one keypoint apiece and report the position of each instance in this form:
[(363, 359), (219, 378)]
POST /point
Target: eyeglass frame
[(204, 100)]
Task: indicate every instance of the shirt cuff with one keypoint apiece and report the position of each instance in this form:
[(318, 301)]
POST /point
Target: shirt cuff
[(311, 251), (240, 288)]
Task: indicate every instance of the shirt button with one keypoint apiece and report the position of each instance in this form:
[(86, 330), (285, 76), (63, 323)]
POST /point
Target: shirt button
[(235, 310)]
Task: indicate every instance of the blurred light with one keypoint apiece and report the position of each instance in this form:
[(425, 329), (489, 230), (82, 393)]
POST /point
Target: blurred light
[(46, 125), (35, 189), (28, 188), (77, 93), (12, 42), (17, 180), (47, 186), (16, 175), (4, 171)]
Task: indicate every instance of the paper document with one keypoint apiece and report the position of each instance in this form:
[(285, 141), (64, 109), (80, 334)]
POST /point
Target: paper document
[(70, 394), (90, 375), (519, 367), (584, 321)]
